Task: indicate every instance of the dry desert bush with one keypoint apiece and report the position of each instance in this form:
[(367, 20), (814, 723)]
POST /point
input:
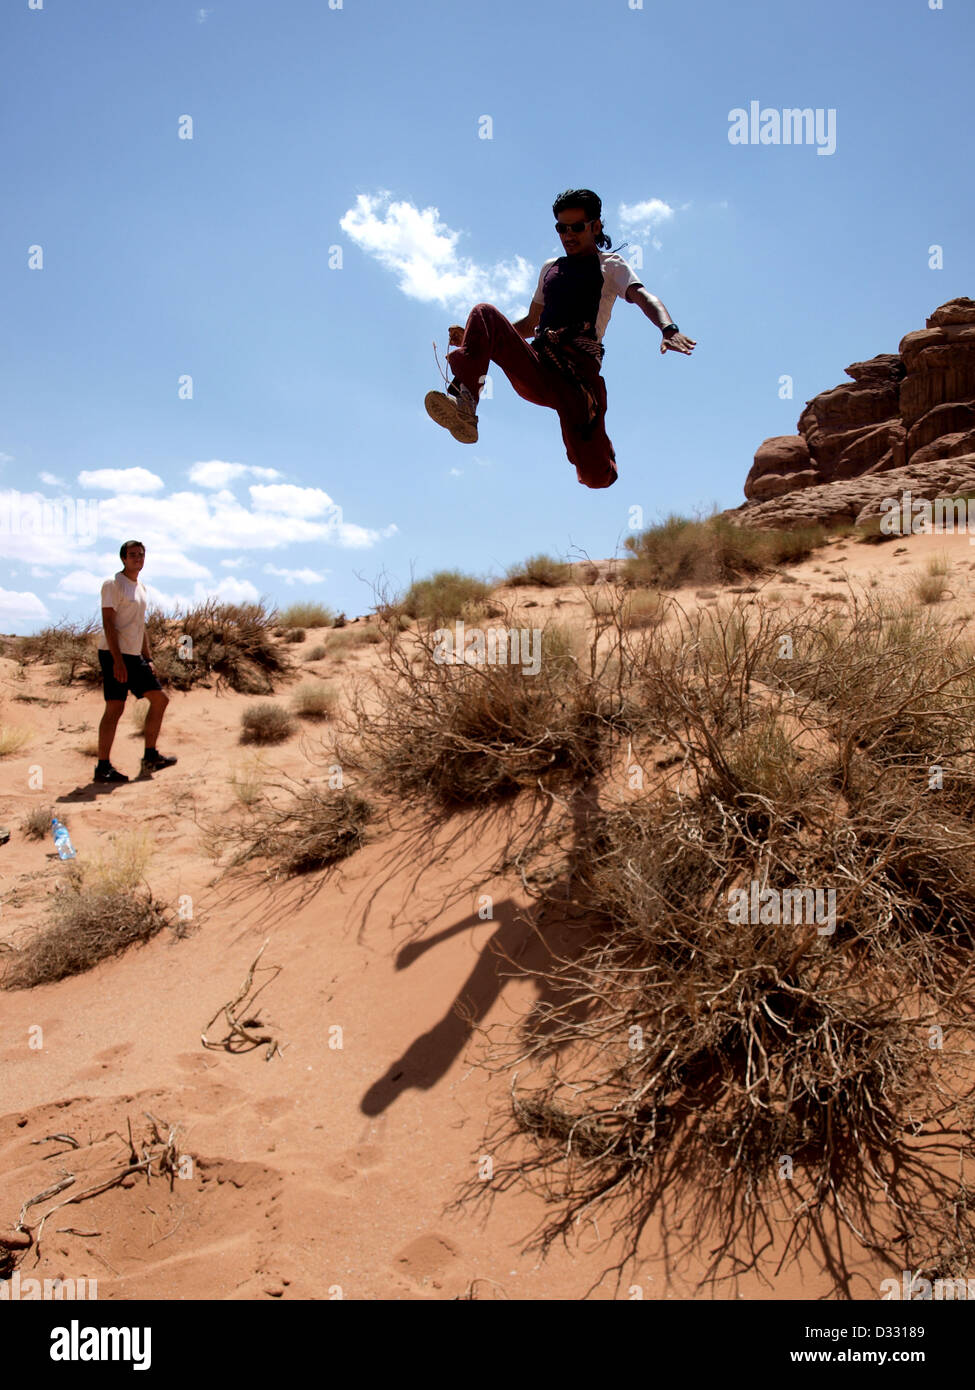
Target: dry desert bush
[(296, 827), (462, 733), (684, 1046), (232, 643), (306, 615), (313, 700), (681, 551), (102, 908), (265, 722), (540, 570)]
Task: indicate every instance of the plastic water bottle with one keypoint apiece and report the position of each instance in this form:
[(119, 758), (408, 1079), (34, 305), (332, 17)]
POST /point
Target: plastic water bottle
[(62, 840)]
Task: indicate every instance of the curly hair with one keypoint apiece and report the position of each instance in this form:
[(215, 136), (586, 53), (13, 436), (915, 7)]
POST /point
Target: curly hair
[(590, 203)]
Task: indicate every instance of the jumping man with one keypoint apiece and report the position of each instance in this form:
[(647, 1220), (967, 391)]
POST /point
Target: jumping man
[(126, 663), (567, 319)]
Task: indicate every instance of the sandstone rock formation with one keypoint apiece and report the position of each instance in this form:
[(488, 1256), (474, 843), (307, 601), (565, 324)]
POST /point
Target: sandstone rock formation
[(901, 411)]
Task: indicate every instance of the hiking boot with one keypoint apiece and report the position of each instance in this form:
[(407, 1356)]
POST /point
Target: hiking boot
[(456, 410), (108, 774), (152, 762)]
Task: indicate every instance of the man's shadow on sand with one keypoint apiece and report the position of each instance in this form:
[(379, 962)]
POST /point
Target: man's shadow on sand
[(522, 946)]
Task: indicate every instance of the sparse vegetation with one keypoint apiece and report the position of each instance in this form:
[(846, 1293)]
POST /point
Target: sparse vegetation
[(350, 639), (539, 570), (442, 597), (306, 615), (308, 828), (472, 732), (312, 700), (680, 551), (102, 909), (317, 652), (931, 586), (266, 722), (36, 825), (802, 765), (296, 634), (12, 739), (230, 642)]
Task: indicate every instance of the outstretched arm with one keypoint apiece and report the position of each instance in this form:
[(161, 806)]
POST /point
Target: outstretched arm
[(657, 313)]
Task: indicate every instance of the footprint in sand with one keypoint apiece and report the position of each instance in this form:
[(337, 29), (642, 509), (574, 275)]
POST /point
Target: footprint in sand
[(426, 1259), (104, 1061)]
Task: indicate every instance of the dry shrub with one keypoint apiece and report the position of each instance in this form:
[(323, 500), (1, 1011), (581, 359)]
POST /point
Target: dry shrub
[(86, 926), (36, 825), (316, 653), (12, 739), (463, 733), (313, 700), (540, 570), (232, 642), (681, 551), (442, 597), (296, 634), (309, 828), (266, 722), (248, 781), (103, 908), (306, 615), (350, 639), (684, 1046)]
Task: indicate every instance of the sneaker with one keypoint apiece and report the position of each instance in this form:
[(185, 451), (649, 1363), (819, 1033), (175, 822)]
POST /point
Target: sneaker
[(456, 410), (109, 774), (154, 761)]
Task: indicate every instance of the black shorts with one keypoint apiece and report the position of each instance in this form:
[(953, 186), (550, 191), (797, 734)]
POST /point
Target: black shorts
[(141, 676)]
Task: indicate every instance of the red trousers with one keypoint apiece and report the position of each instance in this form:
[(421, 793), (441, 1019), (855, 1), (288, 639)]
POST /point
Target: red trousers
[(489, 337)]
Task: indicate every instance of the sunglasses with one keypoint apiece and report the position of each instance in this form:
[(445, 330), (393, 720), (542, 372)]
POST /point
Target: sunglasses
[(575, 227)]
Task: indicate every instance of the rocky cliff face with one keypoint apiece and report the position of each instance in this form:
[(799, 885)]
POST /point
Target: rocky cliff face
[(900, 411)]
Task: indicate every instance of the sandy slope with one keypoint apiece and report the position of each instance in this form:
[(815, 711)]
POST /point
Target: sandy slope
[(325, 1171)]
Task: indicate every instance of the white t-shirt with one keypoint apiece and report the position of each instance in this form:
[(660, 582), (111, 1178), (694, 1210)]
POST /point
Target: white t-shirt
[(617, 279), (129, 601)]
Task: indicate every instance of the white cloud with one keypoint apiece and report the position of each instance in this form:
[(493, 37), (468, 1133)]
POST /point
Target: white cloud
[(232, 564), (457, 472), (640, 219), (20, 607), (121, 479), (216, 474), (292, 500), (422, 251), (82, 582), (6, 458), (228, 590), (295, 576), (51, 480)]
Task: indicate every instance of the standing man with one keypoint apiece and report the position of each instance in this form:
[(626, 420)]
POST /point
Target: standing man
[(127, 663), (567, 319)]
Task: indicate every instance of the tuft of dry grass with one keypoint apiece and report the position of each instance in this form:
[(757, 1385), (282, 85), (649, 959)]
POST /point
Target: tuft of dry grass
[(350, 639), (102, 909), (308, 828), (266, 722), (932, 586), (312, 700), (713, 551), (86, 926), (442, 597), (296, 634), (36, 825), (12, 739), (317, 652), (306, 615), (540, 570)]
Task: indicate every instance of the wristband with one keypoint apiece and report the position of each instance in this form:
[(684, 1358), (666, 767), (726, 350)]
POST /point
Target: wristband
[(670, 329)]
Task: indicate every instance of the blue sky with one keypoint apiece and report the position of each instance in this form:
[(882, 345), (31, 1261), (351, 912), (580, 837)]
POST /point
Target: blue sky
[(303, 465)]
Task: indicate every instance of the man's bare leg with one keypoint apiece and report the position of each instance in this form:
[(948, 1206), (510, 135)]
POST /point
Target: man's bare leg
[(107, 727), (157, 708)]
